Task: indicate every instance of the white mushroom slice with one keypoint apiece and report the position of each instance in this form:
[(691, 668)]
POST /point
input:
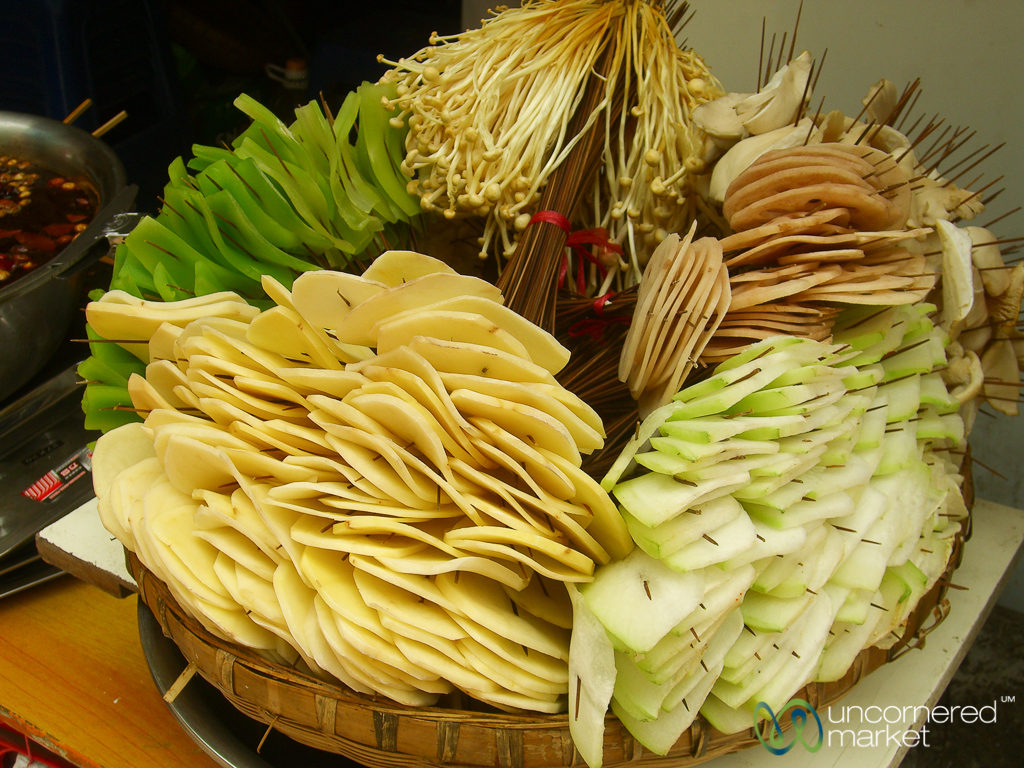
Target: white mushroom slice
[(989, 260), (740, 157), (1002, 377), (778, 103), (957, 276), (880, 101), (718, 119)]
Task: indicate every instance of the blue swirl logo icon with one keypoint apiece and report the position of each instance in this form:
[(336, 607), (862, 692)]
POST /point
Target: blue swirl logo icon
[(799, 712)]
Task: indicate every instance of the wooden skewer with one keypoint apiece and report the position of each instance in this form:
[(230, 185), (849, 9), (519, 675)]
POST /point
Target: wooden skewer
[(77, 112), (111, 123)]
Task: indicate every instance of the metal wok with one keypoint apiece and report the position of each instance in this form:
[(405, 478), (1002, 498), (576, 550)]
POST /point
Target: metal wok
[(36, 310)]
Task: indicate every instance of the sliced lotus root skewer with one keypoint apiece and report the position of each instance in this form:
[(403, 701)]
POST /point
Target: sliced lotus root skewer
[(771, 250), (804, 329), (867, 211), (750, 294), (862, 180), (825, 222), (801, 175)]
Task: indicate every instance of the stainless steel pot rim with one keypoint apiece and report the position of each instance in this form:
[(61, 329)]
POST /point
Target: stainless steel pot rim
[(68, 150)]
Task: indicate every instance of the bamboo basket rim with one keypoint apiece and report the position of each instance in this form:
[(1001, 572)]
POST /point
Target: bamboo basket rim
[(380, 733)]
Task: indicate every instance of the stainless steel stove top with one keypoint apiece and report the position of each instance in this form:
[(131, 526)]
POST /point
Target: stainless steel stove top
[(45, 473)]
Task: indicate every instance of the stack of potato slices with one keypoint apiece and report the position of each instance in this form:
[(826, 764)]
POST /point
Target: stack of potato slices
[(378, 479)]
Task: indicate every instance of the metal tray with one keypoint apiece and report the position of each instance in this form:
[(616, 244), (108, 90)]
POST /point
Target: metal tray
[(224, 733), (45, 465)]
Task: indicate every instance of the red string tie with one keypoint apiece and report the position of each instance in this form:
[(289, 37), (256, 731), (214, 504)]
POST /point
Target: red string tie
[(577, 241), (594, 327)]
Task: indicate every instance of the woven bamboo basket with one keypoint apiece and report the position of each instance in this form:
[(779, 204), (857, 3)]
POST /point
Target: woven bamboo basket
[(379, 733)]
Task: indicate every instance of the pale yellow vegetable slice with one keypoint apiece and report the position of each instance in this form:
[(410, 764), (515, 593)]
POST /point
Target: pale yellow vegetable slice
[(284, 332), (576, 416), (484, 601), (396, 267), (455, 431), (458, 357), (357, 326), (428, 657), (256, 464), (450, 325), (508, 506), (334, 495), (421, 586), (408, 421), (237, 512), (536, 467), (321, 380), (164, 376), (392, 476), (260, 387), (146, 398), (387, 655), (296, 440), (388, 599), (363, 669), (124, 321), (117, 450), (296, 600), (239, 549), (325, 297), (332, 576), (313, 532), (259, 596), (607, 525), (515, 703), (277, 520), (324, 654), (209, 345), (235, 625), (546, 599), (431, 563), (431, 532), (168, 525), (128, 486), (247, 353), (529, 424), (401, 629), (205, 385), (537, 663), (532, 562), (224, 368), (556, 548), (543, 348), (161, 343), (164, 423), (510, 676), (191, 464)]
